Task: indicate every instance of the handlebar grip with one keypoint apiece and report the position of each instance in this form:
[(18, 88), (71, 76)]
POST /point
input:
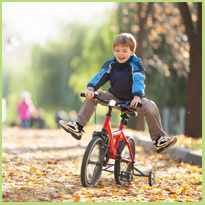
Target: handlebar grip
[(139, 105), (82, 94)]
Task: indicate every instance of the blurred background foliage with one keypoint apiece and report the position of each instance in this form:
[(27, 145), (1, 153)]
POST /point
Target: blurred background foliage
[(57, 72)]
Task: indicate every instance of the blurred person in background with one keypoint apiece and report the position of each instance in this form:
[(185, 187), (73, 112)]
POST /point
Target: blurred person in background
[(37, 120), (25, 108)]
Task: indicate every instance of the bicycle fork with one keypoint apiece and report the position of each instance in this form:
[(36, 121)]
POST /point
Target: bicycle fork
[(105, 145)]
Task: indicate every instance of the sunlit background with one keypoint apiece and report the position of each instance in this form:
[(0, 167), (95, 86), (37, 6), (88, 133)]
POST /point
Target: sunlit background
[(53, 49), (39, 21), (26, 24)]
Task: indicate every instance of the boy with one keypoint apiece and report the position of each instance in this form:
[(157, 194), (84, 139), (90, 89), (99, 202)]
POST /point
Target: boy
[(126, 75)]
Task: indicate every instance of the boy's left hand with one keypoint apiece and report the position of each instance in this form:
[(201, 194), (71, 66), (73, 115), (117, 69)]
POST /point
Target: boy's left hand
[(135, 101)]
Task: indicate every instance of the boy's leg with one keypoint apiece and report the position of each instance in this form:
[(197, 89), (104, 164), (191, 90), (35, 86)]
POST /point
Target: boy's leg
[(151, 112), (153, 119), (84, 115), (88, 107)]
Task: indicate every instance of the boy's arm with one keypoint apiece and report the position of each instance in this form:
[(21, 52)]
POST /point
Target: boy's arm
[(101, 78), (138, 84), (138, 77)]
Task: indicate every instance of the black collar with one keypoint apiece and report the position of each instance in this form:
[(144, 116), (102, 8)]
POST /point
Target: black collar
[(125, 64)]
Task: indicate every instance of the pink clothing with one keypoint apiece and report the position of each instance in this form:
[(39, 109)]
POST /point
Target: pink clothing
[(24, 110)]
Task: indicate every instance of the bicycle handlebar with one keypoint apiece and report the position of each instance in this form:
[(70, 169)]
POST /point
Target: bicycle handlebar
[(122, 104)]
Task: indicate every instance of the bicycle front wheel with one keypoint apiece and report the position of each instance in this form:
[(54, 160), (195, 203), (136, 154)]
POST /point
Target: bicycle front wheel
[(91, 168), (123, 169)]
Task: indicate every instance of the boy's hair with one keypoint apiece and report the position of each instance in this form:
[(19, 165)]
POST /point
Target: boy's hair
[(125, 39)]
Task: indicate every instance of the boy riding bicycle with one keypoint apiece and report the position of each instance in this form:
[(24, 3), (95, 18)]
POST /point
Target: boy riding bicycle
[(126, 74)]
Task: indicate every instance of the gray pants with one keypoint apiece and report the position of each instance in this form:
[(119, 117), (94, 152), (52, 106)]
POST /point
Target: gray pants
[(149, 109)]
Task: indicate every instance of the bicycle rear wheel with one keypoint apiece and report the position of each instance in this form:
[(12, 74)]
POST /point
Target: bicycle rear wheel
[(91, 168), (123, 169)]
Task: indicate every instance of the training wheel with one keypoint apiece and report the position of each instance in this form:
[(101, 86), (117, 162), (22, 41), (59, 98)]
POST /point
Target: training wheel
[(151, 178)]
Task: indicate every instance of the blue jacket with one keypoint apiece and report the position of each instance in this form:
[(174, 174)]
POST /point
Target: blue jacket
[(126, 80)]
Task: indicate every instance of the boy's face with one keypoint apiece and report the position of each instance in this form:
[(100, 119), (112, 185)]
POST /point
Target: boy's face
[(122, 53)]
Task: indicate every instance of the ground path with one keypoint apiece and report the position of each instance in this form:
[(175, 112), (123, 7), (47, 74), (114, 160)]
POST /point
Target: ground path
[(44, 166)]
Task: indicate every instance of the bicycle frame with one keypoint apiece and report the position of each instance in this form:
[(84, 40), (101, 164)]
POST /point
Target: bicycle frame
[(115, 137), (110, 151)]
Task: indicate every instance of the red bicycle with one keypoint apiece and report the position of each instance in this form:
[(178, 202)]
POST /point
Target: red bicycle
[(106, 145)]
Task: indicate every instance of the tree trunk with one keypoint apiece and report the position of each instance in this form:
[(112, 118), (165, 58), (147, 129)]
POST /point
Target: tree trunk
[(140, 118), (193, 119)]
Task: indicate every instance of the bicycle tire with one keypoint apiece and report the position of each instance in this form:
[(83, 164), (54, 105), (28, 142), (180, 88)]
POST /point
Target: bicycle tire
[(120, 166), (92, 155)]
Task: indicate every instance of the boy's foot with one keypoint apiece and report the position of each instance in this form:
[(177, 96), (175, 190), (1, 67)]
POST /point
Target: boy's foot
[(163, 143), (73, 128)]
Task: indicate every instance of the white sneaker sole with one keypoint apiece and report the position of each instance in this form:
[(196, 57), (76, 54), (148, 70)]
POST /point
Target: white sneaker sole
[(163, 149), (64, 125)]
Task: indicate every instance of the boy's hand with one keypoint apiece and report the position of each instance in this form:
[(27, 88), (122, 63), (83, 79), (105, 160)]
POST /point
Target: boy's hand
[(135, 101), (89, 94)]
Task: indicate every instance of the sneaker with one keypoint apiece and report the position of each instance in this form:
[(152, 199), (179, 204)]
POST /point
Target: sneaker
[(163, 143), (73, 128)]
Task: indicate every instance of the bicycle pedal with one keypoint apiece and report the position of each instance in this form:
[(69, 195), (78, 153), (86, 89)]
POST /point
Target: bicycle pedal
[(124, 179), (127, 177)]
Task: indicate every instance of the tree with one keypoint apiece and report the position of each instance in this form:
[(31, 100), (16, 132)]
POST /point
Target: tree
[(143, 15), (168, 46), (193, 24)]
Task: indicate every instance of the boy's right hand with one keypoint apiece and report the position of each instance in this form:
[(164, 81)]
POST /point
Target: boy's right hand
[(89, 94)]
